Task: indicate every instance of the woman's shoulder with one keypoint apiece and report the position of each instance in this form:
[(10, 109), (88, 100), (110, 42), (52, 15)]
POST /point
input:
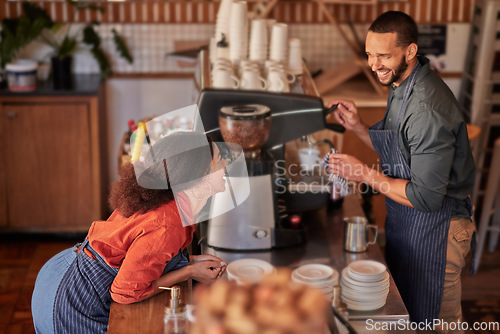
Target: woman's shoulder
[(165, 213), (166, 216), (164, 223)]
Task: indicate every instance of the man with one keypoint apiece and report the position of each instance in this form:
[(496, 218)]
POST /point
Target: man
[(428, 171)]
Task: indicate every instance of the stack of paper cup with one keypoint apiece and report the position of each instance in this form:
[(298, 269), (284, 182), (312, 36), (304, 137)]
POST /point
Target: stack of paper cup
[(278, 48), (212, 50), (222, 21), (270, 23), (238, 33), (294, 56), (258, 40)]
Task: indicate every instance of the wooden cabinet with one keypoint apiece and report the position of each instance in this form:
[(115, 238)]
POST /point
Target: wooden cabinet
[(51, 163)]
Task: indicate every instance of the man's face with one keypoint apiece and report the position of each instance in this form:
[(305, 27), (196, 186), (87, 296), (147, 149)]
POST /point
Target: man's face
[(386, 60)]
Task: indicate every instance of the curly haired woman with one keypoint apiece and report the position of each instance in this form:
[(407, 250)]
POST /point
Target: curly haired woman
[(141, 246)]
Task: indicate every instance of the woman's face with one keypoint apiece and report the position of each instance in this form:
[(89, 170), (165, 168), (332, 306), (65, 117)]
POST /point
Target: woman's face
[(216, 176)]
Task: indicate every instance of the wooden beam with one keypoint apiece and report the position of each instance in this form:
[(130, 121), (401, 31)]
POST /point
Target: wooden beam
[(353, 46), (335, 76), (262, 11)]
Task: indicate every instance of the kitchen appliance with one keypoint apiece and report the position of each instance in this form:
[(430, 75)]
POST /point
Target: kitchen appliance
[(259, 222), (248, 126), (356, 234)]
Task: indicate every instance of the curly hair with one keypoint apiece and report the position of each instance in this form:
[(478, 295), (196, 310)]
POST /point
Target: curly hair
[(400, 23), (128, 197), (140, 189)]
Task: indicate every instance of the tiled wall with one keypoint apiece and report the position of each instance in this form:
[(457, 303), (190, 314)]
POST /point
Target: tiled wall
[(322, 46), (155, 11), (151, 28)]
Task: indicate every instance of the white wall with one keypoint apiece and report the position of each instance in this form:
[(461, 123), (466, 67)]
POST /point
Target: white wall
[(139, 98), (457, 40)]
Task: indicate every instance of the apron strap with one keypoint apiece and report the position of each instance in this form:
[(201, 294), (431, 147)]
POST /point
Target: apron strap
[(98, 258), (409, 88)]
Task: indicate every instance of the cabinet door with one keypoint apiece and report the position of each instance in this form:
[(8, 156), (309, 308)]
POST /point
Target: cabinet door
[(47, 166)]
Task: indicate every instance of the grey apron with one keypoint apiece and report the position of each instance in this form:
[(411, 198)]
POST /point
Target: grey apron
[(83, 300), (416, 241)]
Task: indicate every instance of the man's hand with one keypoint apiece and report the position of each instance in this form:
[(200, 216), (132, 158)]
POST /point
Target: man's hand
[(348, 167), (352, 169), (347, 115)]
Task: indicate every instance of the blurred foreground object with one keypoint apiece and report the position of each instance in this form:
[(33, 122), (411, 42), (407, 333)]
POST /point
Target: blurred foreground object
[(276, 305)]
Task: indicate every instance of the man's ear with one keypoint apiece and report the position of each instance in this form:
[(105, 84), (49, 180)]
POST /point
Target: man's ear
[(411, 51)]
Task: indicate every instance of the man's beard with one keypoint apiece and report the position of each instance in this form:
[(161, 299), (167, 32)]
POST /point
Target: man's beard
[(397, 73)]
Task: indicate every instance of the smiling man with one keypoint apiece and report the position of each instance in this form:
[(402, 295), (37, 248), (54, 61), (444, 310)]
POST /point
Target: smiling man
[(428, 171)]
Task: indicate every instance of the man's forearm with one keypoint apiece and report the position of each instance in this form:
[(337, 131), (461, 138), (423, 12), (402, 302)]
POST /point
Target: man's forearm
[(395, 189), (362, 132)]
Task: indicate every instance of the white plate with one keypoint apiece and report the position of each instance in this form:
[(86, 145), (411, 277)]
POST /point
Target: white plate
[(366, 278), (249, 270), (364, 297), (364, 289), (364, 306), (334, 280), (367, 267), (348, 279), (315, 272), (346, 276), (373, 288), (316, 286)]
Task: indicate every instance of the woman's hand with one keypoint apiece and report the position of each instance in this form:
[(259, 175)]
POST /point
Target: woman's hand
[(203, 268), (207, 267)]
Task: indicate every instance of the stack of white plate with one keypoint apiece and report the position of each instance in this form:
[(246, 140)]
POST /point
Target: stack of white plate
[(318, 276), (365, 285), (248, 271)]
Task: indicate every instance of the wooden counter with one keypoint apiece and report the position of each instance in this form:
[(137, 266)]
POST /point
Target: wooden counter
[(143, 317), (324, 245)]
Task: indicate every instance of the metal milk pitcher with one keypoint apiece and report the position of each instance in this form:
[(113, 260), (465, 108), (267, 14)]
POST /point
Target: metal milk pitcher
[(356, 234)]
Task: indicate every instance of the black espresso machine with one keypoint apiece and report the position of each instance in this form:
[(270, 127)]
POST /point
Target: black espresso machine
[(259, 223)]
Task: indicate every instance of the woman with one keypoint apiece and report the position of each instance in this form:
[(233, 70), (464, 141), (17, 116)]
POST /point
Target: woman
[(142, 245)]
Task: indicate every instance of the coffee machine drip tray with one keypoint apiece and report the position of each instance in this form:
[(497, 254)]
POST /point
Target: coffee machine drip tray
[(253, 224)]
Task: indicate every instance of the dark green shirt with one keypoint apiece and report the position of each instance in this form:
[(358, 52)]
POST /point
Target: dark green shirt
[(433, 139)]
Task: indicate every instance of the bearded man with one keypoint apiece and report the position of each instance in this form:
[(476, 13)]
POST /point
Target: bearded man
[(428, 171)]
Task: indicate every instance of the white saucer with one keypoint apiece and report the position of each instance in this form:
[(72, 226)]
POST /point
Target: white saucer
[(367, 268), (366, 278), (248, 270), (334, 280), (314, 272), (368, 289), (363, 306), (364, 297), (346, 277)]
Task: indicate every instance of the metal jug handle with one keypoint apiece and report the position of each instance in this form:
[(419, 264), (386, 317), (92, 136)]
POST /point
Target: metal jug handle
[(375, 227)]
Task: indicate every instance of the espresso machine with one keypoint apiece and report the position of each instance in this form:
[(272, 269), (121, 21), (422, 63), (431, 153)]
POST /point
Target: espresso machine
[(261, 122)]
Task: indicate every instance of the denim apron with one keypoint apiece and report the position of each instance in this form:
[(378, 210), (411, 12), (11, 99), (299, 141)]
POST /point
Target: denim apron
[(82, 301), (416, 241)]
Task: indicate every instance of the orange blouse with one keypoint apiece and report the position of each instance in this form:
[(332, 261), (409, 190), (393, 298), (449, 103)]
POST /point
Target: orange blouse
[(140, 246)]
